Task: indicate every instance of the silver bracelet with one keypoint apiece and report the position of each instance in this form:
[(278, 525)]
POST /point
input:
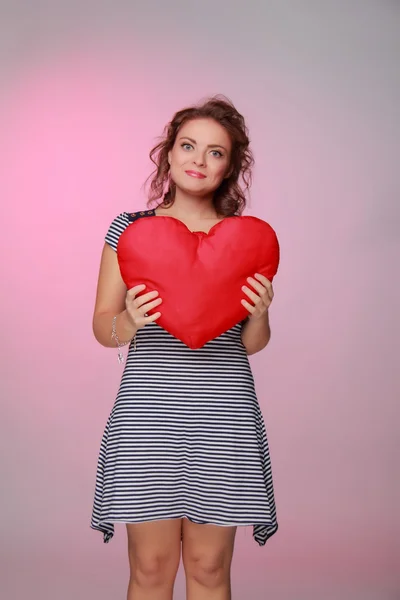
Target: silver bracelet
[(115, 337)]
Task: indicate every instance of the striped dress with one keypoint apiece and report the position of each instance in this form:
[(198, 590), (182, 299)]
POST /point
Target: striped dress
[(185, 436)]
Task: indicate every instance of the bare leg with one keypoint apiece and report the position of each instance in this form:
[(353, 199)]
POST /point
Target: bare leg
[(154, 550), (207, 556)]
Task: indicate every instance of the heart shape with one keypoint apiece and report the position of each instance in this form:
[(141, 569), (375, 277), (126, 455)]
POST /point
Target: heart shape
[(198, 275)]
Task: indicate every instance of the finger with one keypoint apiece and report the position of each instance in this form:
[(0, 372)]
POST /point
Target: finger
[(153, 318), (135, 290), (144, 299), (145, 308), (261, 289), (252, 295), (266, 282), (268, 293), (248, 306)]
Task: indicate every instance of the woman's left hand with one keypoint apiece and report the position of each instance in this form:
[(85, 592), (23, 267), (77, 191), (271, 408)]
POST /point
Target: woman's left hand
[(261, 299)]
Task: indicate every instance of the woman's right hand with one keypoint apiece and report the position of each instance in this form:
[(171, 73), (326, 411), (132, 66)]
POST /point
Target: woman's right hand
[(137, 308)]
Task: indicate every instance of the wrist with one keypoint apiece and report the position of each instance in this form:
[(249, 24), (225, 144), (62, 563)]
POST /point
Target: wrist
[(263, 318), (126, 327)]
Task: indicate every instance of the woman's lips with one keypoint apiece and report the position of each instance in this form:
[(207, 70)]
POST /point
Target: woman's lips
[(195, 174)]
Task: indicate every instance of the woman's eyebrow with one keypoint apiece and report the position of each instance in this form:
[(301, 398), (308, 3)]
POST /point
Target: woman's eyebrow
[(209, 145)]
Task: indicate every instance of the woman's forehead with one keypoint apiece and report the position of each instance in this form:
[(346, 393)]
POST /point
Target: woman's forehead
[(205, 131)]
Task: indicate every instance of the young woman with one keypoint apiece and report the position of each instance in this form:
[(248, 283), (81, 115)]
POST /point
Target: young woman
[(184, 457)]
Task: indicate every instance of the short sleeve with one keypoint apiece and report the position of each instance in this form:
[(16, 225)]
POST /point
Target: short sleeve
[(117, 227)]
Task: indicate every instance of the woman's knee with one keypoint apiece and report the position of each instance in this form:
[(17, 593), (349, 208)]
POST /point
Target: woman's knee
[(154, 552), (153, 569), (207, 553), (209, 572)]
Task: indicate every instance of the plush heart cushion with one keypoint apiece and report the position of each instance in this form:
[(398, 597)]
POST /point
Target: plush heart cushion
[(198, 275)]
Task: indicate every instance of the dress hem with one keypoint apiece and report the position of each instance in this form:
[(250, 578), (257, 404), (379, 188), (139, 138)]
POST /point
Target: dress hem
[(107, 527)]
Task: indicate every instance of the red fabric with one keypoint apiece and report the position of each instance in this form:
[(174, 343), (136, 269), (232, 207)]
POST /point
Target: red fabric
[(198, 276)]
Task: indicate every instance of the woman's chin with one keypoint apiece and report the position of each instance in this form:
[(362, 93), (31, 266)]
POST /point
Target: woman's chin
[(194, 190)]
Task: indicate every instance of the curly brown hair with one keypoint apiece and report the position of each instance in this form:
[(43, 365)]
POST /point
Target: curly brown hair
[(229, 198)]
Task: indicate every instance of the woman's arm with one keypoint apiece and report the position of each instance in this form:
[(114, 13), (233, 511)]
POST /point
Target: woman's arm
[(110, 301), (113, 299), (256, 331)]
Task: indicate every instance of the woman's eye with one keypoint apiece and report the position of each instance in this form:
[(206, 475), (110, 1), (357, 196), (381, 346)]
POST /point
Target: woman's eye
[(218, 153), (187, 146)]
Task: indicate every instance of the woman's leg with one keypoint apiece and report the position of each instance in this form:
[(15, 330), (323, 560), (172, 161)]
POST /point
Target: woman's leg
[(207, 552), (154, 550)]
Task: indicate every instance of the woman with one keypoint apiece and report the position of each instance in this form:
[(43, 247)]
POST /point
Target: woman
[(184, 458)]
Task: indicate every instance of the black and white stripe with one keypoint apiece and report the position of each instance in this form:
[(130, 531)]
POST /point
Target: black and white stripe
[(185, 437)]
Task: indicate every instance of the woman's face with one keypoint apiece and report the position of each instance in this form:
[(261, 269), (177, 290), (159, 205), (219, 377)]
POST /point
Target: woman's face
[(200, 157)]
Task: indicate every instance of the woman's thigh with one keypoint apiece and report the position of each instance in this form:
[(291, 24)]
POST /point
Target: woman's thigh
[(155, 547), (207, 550)]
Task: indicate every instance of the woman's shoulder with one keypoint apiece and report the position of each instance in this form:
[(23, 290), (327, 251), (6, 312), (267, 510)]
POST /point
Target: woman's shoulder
[(137, 215), (121, 222)]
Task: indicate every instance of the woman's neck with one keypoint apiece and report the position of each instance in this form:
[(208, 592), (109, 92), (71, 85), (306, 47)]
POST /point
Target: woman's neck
[(188, 207)]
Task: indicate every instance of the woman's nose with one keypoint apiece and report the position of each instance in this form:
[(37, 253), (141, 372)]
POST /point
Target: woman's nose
[(199, 160)]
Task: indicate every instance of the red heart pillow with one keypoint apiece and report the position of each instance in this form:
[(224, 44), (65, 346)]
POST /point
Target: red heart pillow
[(199, 276)]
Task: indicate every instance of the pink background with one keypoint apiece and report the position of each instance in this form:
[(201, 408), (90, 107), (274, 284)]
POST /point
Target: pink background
[(85, 93)]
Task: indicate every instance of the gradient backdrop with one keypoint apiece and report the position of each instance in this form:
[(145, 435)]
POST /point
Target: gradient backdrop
[(86, 88)]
